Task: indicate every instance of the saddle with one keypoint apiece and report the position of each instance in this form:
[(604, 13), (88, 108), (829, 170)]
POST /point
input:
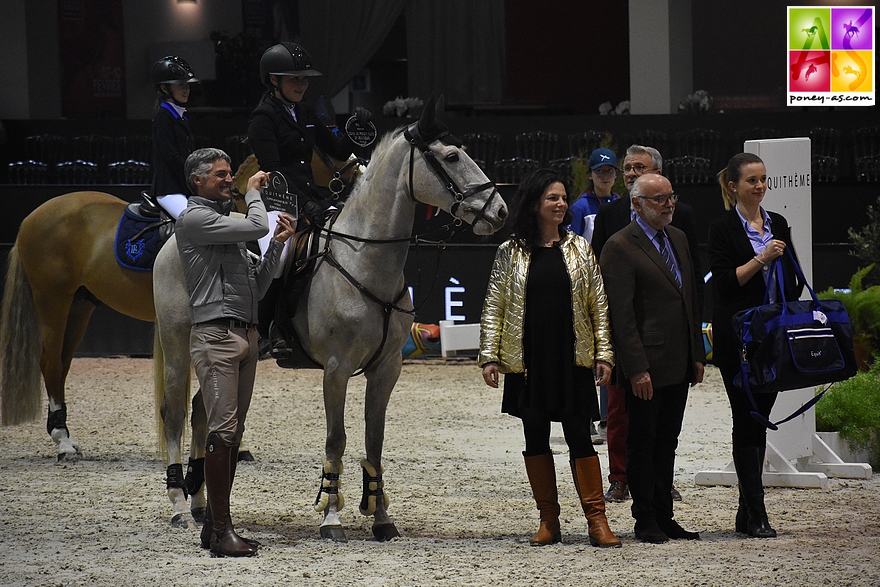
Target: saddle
[(143, 229)]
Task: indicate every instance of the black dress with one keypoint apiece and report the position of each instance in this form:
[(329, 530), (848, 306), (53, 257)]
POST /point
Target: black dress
[(554, 386)]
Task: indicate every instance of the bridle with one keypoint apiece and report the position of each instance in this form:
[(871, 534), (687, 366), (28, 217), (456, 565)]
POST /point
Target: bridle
[(414, 137)]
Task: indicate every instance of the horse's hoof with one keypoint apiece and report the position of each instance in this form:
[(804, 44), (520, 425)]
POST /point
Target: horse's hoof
[(198, 515), (385, 532), (183, 521), (245, 456), (69, 457), (334, 533)]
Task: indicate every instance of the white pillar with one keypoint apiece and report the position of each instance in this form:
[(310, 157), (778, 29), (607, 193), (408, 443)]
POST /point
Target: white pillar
[(660, 55)]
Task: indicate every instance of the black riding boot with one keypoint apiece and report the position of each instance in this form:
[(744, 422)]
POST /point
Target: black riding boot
[(316, 209), (749, 462), (273, 339)]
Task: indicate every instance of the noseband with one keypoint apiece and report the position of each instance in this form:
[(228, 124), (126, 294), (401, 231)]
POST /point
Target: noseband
[(416, 141)]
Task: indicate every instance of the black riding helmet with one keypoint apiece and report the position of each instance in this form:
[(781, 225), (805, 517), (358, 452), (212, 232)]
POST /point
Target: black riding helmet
[(286, 59), (172, 70)]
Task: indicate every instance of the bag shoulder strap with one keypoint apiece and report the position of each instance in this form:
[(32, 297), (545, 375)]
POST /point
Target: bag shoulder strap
[(765, 421)]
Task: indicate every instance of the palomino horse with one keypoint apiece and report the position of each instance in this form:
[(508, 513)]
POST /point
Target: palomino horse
[(61, 267), (355, 313)]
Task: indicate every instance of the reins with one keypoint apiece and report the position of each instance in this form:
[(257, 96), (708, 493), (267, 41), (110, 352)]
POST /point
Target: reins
[(415, 140)]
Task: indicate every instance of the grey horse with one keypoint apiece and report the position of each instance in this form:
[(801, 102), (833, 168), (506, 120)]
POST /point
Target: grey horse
[(355, 313)]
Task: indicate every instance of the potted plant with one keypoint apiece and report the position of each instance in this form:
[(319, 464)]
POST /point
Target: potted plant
[(863, 307), (852, 409)]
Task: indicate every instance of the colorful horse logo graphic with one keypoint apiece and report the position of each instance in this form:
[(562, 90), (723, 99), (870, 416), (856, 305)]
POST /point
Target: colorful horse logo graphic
[(850, 30), (827, 66)]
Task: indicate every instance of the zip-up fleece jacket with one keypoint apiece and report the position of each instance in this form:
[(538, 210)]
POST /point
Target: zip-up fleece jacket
[(224, 280)]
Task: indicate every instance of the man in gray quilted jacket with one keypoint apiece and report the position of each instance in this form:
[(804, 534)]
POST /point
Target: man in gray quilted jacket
[(225, 282)]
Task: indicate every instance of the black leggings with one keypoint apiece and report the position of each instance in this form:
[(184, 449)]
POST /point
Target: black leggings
[(747, 432), (536, 429)]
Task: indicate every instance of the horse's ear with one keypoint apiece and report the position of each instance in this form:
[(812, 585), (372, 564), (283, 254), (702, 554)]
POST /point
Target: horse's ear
[(440, 108), (426, 122)]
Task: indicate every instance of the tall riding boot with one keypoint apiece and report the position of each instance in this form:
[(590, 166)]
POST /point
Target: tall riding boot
[(749, 462), (316, 210), (741, 524), (542, 478), (233, 464), (224, 541), (208, 526), (588, 482)]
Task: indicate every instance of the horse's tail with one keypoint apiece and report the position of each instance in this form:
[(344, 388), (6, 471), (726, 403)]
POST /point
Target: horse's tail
[(21, 344), (159, 391)]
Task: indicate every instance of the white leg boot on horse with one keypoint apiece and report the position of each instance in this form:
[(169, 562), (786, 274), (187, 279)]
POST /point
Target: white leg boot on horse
[(218, 477), (330, 501)]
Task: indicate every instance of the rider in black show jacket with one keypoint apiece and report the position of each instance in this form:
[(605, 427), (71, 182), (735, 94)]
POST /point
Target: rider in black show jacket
[(285, 145), (283, 130)]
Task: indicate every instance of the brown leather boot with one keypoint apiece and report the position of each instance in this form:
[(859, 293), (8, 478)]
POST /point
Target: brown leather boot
[(588, 482), (542, 478), (233, 464), (218, 479), (208, 526)]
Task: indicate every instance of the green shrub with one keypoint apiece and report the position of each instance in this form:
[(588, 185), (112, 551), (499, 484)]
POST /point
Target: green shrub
[(863, 307), (866, 242), (852, 408)]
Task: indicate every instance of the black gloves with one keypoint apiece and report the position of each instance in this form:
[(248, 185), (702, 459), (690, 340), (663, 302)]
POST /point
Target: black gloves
[(362, 115)]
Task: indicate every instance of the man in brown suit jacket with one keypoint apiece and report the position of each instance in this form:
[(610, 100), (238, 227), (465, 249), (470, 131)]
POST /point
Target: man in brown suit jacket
[(656, 329)]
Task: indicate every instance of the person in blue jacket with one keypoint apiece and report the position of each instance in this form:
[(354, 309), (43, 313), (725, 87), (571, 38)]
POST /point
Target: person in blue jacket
[(603, 174)]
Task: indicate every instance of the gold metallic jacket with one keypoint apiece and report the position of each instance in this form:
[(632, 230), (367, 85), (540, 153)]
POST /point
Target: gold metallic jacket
[(501, 325)]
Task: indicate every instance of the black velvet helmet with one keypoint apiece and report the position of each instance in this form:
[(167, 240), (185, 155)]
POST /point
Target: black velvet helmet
[(286, 59), (172, 70)]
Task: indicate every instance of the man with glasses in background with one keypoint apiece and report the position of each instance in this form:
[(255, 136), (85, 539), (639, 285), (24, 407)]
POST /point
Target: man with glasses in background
[(612, 217), (650, 281)]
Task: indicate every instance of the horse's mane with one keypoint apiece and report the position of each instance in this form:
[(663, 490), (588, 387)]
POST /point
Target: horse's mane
[(382, 148)]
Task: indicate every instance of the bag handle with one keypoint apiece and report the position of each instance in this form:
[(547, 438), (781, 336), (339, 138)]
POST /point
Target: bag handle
[(778, 274)]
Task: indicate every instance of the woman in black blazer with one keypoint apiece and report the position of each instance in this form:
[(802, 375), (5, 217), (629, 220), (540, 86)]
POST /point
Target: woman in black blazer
[(743, 244)]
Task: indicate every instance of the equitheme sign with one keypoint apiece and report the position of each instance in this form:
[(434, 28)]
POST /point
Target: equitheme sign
[(830, 56)]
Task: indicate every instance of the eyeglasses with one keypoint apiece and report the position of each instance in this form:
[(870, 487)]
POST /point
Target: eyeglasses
[(661, 200), (638, 168), (605, 171), (222, 174)]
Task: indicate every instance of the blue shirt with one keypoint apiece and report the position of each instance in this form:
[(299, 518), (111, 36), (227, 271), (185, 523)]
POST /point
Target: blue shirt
[(584, 213)]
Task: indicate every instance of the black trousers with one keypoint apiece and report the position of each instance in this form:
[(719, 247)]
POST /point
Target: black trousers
[(652, 433)]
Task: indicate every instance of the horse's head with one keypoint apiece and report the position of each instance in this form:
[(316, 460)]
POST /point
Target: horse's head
[(446, 177)]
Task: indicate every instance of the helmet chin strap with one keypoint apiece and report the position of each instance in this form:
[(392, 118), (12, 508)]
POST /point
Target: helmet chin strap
[(279, 93)]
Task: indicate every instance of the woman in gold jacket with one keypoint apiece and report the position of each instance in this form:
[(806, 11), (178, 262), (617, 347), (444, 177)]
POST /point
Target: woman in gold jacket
[(545, 326)]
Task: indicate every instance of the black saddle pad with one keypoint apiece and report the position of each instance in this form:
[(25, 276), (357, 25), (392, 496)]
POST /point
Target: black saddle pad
[(138, 239)]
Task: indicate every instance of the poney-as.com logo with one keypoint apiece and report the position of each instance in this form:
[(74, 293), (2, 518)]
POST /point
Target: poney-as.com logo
[(831, 56)]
